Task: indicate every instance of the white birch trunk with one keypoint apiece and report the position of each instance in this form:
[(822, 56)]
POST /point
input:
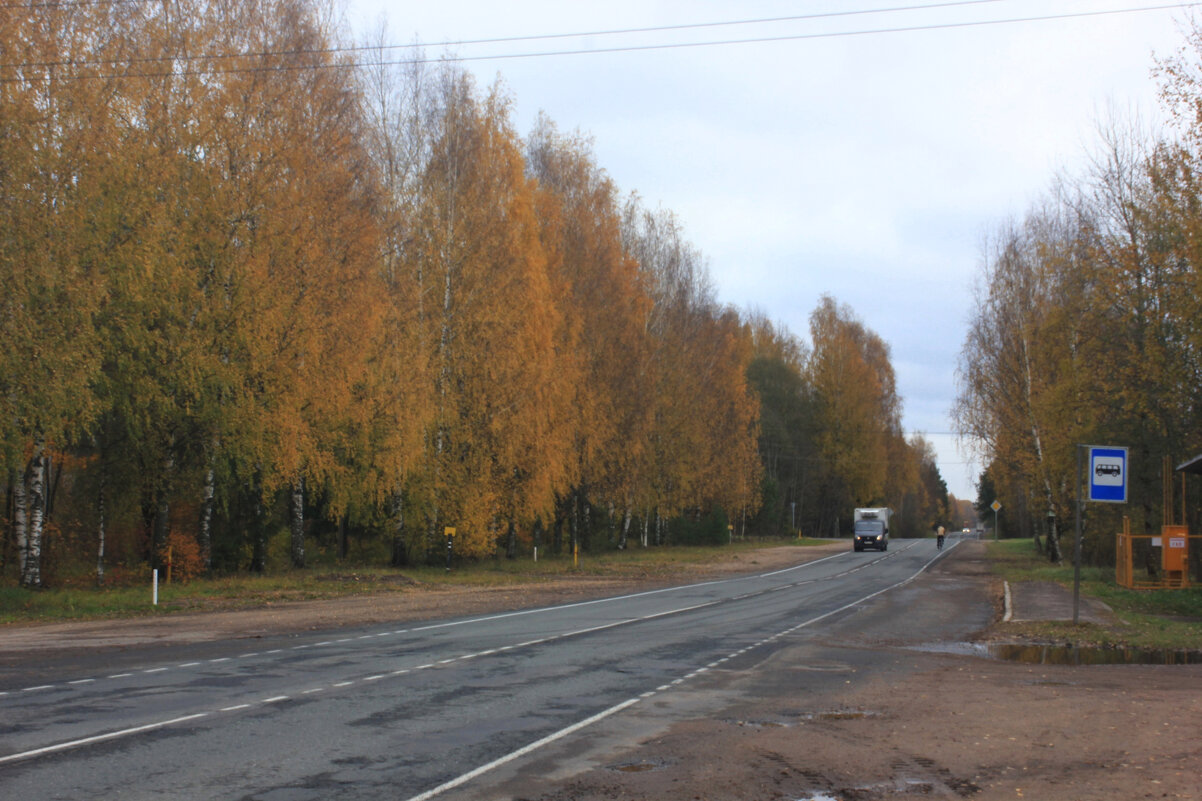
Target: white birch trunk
[(298, 522), (32, 574), (20, 519), (205, 535)]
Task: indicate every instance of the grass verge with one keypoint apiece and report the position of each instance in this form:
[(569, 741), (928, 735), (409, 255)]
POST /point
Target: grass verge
[(129, 594), (1151, 619)]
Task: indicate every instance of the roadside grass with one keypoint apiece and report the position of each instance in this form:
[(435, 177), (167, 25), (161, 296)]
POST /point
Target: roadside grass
[(1147, 619), (127, 593)]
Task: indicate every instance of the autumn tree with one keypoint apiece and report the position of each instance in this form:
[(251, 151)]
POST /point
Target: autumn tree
[(55, 162), (601, 341), (499, 438)]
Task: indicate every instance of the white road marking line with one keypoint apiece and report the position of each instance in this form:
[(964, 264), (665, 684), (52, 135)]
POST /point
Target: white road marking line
[(189, 664), (39, 687), (113, 735), (120, 675), (274, 699), (82, 681), (342, 684), (467, 777), (234, 708), (155, 670)]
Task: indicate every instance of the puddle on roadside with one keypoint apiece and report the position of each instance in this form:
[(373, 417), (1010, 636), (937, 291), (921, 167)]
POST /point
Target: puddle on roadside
[(759, 724), (1070, 655), (637, 767), (844, 714)]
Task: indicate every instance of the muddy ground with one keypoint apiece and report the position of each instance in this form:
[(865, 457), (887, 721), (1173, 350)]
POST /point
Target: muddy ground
[(867, 710)]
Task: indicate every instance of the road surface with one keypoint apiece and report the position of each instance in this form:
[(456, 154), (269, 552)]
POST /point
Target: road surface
[(417, 711)]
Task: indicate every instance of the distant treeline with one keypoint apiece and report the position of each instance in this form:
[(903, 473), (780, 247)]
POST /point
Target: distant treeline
[(256, 296)]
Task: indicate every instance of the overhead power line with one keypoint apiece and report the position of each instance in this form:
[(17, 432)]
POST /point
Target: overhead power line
[(935, 26), (493, 40)]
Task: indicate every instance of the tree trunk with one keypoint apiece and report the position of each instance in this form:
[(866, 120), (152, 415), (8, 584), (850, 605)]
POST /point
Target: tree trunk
[(258, 558), (20, 519), (400, 553), (575, 521), (205, 535), (511, 542), (100, 533), (31, 576), (298, 522), (161, 526)]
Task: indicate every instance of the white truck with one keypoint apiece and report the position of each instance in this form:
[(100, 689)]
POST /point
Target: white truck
[(872, 528)]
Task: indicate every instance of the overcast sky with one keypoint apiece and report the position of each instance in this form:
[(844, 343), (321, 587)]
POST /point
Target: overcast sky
[(852, 158)]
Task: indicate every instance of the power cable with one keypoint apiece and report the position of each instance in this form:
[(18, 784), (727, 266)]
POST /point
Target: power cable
[(584, 51), (495, 40)]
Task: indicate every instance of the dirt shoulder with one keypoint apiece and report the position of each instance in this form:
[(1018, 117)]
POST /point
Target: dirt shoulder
[(893, 701)]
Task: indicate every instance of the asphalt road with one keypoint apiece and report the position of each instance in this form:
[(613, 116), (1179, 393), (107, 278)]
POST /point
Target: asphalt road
[(415, 712)]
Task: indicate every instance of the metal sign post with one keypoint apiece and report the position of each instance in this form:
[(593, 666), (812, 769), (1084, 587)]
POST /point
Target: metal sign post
[(1107, 484)]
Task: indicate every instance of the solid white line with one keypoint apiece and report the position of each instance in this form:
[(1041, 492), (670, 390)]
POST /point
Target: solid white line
[(113, 735), (575, 727)]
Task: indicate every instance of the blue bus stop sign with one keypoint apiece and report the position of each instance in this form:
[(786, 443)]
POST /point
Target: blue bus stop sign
[(1107, 474)]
